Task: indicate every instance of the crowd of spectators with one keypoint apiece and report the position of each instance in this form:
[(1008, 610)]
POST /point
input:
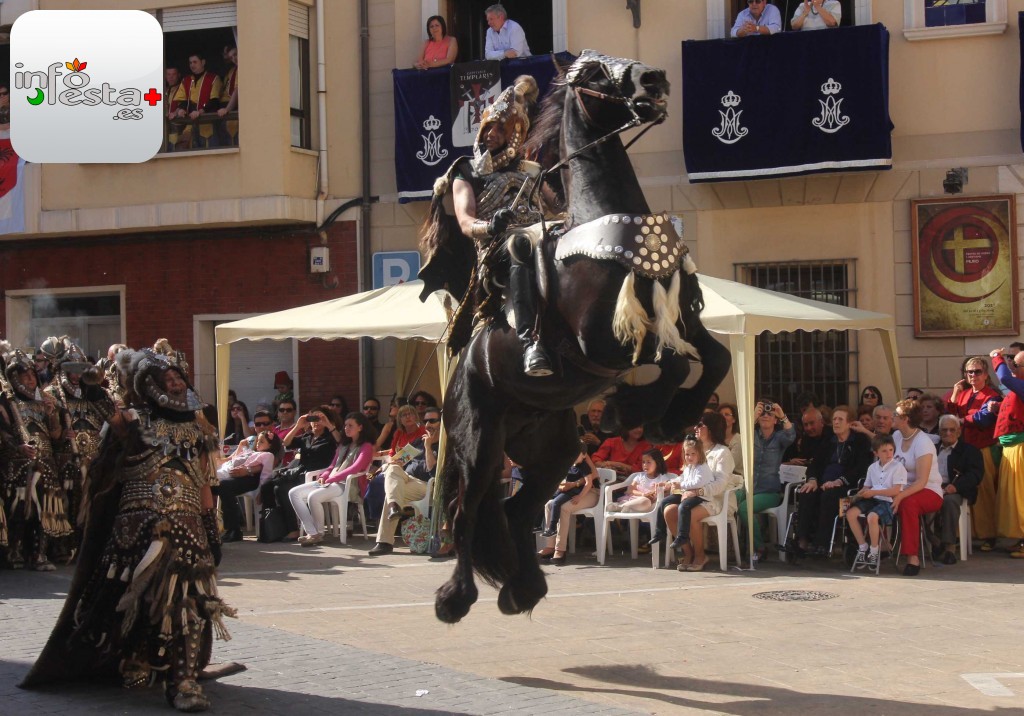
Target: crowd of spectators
[(914, 464)]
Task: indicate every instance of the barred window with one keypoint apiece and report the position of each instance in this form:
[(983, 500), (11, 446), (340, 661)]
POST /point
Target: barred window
[(820, 362)]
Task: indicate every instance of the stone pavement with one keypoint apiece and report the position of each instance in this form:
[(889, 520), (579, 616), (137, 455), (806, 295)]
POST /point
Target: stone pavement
[(335, 630)]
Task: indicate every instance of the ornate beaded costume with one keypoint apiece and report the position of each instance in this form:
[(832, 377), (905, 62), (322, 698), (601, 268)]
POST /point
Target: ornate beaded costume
[(145, 598), (32, 493)]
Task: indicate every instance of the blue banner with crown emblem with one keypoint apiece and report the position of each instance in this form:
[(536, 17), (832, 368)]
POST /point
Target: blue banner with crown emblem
[(426, 142), (787, 104)]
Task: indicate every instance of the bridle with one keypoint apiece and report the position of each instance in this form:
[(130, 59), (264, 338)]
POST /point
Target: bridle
[(574, 79)]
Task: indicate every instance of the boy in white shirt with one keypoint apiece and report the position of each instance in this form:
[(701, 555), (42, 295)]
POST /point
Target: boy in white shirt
[(885, 479)]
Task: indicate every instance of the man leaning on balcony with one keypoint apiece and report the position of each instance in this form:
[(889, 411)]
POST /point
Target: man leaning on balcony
[(759, 18), (505, 38), (197, 94), (817, 15)]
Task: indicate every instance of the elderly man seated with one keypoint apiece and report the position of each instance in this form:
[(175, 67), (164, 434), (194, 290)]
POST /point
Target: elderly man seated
[(961, 467), (405, 481), (806, 446)]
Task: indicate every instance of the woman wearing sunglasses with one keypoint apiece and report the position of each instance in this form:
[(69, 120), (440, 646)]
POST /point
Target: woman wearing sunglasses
[(976, 403)]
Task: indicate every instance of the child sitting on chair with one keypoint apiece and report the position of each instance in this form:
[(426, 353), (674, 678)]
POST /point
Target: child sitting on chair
[(884, 480), (578, 482), (642, 492), (696, 474)]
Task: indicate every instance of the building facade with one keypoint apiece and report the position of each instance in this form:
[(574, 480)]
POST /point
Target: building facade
[(211, 233)]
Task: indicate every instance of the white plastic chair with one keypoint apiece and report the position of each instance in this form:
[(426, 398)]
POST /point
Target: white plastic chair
[(422, 505), (339, 524), (635, 518), (252, 515), (725, 522), (605, 476), (966, 547), (791, 476)]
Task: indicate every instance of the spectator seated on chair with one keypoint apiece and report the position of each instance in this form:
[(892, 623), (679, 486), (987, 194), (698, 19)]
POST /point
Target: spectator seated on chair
[(840, 465), (405, 428), (711, 433), (865, 419), (641, 493), (922, 494), (808, 442), (712, 426), (590, 426), (316, 436), (353, 457), (244, 472), (623, 453), (421, 400), (238, 428), (961, 467), (690, 488), (640, 497), (774, 434), (885, 478), (405, 480), (932, 407), (729, 413), (287, 413), (578, 482)]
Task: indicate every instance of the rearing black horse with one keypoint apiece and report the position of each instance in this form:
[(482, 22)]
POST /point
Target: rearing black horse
[(617, 290)]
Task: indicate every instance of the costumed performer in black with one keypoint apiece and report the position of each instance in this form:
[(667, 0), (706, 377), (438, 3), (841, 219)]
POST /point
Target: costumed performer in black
[(144, 602)]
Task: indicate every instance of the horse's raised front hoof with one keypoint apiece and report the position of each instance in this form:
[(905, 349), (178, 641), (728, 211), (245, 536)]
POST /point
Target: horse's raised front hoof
[(453, 601), (522, 595)]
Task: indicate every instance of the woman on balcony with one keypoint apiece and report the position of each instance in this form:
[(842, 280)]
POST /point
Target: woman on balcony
[(440, 49)]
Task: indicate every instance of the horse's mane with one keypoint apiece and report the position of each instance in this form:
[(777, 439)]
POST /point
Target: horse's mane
[(545, 137)]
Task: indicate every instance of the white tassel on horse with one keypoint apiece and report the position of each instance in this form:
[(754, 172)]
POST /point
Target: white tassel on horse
[(629, 323), (667, 315)]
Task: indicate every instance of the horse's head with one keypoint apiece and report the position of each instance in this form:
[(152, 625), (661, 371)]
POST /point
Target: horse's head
[(614, 91)]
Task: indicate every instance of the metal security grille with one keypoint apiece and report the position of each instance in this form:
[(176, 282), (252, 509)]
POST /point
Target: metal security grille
[(820, 362)]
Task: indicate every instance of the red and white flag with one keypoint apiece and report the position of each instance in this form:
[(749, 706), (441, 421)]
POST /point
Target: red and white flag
[(12, 188)]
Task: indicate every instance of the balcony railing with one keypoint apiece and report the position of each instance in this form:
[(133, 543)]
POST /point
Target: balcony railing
[(207, 131)]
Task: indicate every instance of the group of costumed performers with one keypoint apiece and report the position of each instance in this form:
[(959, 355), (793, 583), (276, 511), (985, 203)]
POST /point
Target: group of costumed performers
[(492, 191), (143, 604), (34, 491)]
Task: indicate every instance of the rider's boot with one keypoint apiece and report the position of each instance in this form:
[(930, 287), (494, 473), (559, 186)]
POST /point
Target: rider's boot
[(535, 360)]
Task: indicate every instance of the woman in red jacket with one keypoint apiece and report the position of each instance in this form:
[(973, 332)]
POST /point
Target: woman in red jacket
[(971, 401)]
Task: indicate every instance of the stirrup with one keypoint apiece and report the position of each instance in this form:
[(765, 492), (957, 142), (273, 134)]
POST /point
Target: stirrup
[(535, 362)]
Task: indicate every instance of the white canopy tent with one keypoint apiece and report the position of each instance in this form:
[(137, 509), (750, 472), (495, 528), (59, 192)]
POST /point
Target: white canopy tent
[(744, 312), (390, 312), (741, 312)]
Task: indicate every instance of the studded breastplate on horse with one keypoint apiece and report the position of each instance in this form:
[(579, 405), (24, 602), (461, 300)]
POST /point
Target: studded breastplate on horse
[(647, 244)]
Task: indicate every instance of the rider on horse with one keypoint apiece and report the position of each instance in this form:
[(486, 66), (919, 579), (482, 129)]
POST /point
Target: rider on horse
[(491, 191)]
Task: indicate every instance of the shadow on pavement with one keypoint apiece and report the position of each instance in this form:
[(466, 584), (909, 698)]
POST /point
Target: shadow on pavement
[(755, 700)]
